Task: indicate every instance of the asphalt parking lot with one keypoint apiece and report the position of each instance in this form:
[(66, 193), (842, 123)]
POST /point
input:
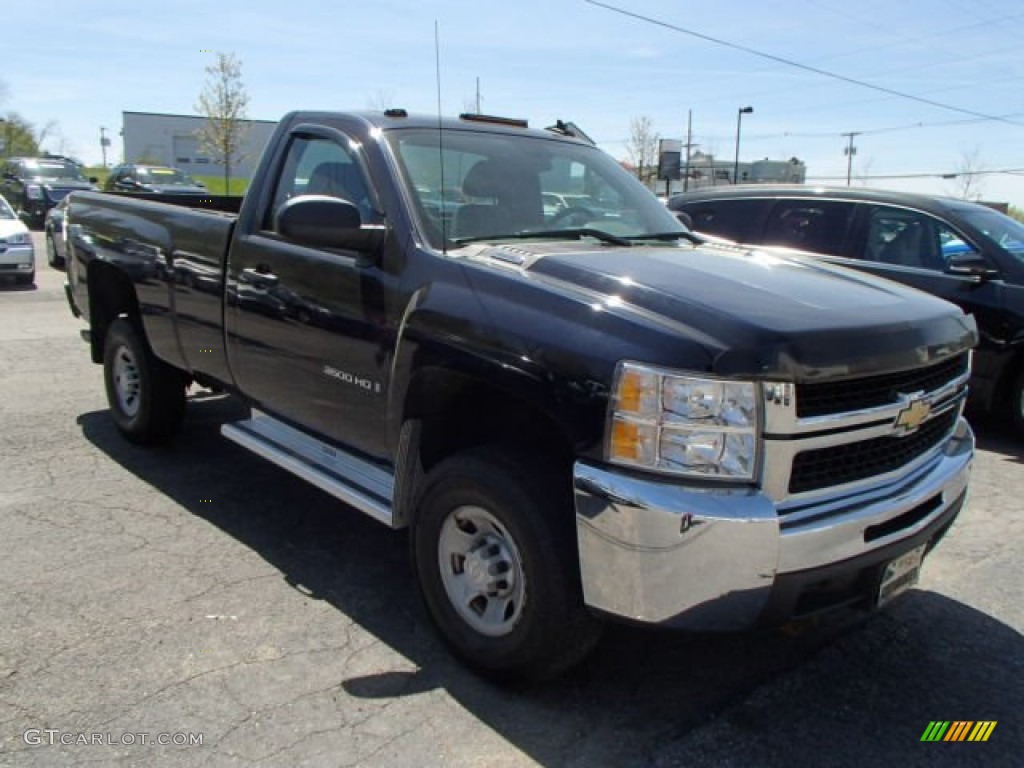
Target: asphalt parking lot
[(196, 592)]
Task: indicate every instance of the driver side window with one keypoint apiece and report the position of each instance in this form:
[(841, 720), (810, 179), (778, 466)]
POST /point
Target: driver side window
[(319, 166)]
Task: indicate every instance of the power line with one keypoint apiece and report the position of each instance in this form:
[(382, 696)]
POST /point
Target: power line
[(922, 175), (836, 134), (798, 65), (903, 39)]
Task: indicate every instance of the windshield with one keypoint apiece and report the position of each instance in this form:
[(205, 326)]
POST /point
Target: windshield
[(5, 210), (1006, 232), (50, 169), (167, 176), (476, 186)]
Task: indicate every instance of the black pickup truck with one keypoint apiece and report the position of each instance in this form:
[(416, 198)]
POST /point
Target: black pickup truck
[(496, 337)]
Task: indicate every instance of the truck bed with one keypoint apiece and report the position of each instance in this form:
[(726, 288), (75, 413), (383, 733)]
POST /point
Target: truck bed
[(222, 203), (174, 250)]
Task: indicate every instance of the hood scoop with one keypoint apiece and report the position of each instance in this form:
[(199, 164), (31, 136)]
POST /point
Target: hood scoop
[(510, 255)]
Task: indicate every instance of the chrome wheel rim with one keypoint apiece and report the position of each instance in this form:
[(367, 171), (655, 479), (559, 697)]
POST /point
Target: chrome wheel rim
[(127, 381), (482, 571)]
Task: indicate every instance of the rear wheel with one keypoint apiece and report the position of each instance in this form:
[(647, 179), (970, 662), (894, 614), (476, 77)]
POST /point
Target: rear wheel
[(493, 548), (146, 396)]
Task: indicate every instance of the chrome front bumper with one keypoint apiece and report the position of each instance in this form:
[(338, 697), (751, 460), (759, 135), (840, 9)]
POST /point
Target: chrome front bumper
[(715, 558)]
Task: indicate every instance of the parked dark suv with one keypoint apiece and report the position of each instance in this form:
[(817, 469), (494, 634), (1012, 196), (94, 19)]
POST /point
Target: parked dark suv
[(33, 185), (154, 179), (966, 253)]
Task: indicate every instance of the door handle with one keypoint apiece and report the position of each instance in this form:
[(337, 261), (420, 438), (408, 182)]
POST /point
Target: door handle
[(259, 276)]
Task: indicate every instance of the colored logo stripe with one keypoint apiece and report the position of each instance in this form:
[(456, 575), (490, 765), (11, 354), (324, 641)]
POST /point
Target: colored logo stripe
[(935, 730), (958, 730), (982, 730)]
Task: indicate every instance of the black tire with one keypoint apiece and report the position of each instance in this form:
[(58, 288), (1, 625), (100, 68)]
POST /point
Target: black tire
[(146, 396), (550, 629), (1016, 403), (25, 279), (52, 258)]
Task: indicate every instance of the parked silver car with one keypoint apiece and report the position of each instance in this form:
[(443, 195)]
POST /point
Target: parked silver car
[(17, 254)]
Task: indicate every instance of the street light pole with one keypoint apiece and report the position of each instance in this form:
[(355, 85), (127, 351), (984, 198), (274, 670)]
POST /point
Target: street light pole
[(739, 121), (689, 145), (104, 143)]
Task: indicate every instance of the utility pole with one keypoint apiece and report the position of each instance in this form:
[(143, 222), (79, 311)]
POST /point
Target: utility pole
[(478, 95), (850, 151)]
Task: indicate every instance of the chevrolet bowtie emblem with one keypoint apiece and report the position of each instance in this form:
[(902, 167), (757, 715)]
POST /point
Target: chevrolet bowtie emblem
[(910, 418)]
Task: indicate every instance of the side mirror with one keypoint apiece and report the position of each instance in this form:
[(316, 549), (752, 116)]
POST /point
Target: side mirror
[(685, 219), (326, 222), (970, 265)]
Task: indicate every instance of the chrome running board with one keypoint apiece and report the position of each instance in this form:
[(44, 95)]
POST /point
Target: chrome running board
[(354, 481)]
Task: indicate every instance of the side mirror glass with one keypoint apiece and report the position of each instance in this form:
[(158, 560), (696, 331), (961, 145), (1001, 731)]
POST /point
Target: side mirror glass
[(326, 222)]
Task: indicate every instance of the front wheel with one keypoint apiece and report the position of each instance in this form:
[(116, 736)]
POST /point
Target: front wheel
[(146, 396), (493, 548), (55, 261)]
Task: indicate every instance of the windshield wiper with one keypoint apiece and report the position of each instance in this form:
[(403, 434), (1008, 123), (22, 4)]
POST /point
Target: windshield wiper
[(575, 232), (693, 238)]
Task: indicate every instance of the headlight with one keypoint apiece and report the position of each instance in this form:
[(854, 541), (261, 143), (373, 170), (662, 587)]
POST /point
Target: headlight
[(34, 192), (687, 425), (19, 238)]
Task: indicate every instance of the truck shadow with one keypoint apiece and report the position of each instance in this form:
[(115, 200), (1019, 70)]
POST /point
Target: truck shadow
[(641, 697), (995, 433)]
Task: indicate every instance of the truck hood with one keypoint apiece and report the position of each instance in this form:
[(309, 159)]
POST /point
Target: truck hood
[(64, 184), (759, 313), (175, 189)]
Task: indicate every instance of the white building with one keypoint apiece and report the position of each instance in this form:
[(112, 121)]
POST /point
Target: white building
[(161, 139), (707, 171)]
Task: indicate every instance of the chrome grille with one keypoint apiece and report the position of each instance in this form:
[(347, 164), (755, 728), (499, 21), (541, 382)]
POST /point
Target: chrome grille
[(828, 397), (863, 443), (849, 462)]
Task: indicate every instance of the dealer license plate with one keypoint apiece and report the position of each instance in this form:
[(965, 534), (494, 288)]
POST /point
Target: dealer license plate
[(900, 575)]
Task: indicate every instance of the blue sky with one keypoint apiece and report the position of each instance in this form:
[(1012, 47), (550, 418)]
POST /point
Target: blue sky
[(81, 64)]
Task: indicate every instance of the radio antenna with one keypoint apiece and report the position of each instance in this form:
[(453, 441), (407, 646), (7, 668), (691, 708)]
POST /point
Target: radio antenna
[(440, 136)]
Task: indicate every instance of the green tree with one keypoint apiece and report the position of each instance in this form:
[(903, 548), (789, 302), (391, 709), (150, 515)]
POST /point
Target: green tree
[(19, 136), (1016, 212), (223, 102)]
